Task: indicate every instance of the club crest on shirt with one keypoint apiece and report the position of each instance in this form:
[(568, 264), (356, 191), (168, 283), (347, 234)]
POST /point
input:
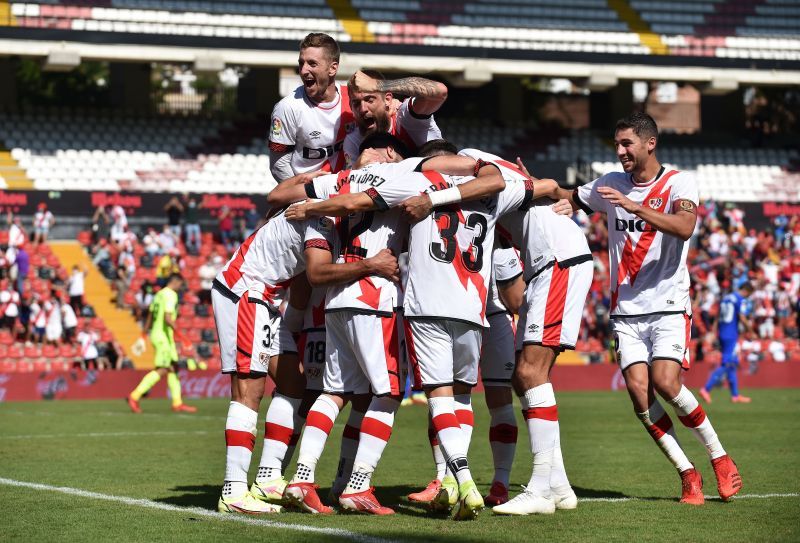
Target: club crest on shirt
[(263, 358), (325, 224), (655, 203), (277, 127)]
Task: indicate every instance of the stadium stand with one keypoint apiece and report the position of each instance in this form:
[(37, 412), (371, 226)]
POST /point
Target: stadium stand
[(87, 150), (766, 29)]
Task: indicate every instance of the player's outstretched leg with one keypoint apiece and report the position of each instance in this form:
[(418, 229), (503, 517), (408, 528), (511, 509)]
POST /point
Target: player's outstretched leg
[(349, 446), (147, 382), (240, 436), (174, 386), (376, 428), (541, 415), (302, 490), (279, 427), (692, 415), (732, 373), (503, 441), (467, 500), (714, 380)]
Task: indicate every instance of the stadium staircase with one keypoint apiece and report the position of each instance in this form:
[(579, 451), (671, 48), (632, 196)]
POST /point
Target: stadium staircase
[(353, 24), (14, 176), (638, 25), (99, 295)]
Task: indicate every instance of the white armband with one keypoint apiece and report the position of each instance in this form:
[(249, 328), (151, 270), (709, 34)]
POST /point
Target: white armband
[(444, 197)]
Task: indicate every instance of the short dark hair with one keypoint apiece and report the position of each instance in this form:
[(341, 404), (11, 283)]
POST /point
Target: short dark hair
[(641, 123), (437, 148), (174, 277), (381, 140), (747, 285), (318, 39)]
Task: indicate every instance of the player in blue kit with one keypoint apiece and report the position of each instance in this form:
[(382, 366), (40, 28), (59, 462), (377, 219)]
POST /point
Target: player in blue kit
[(733, 310)]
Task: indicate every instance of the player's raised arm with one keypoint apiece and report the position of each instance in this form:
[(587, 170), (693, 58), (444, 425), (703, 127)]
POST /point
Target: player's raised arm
[(292, 190), (428, 95)]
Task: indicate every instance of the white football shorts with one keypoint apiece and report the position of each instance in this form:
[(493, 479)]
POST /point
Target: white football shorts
[(643, 339), (497, 354), (443, 352)]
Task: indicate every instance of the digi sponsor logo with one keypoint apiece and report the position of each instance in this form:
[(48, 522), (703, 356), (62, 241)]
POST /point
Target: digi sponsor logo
[(312, 153), (631, 225)]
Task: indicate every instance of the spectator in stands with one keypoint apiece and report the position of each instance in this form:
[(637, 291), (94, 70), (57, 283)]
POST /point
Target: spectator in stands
[(20, 268), (101, 225), (102, 257), (207, 272), (192, 221), (167, 265), (16, 236), (69, 319), (250, 222), (54, 327), (87, 339), (38, 318), (43, 220), (174, 210), (76, 286), (151, 244), (372, 100), (167, 239), (226, 229), (9, 306), (144, 297), (125, 272)]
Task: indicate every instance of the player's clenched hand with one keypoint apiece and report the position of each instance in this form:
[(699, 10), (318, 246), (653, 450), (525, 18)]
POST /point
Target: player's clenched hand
[(417, 208), (363, 82), (562, 207), (384, 264), (297, 212), (618, 199)]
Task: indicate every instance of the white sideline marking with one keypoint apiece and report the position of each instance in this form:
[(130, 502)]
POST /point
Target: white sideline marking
[(111, 434), (337, 532), (738, 497)]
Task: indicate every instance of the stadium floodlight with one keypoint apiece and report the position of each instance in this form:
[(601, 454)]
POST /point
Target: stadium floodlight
[(602, 81), (208, 64), (719, 86), (61, 60)]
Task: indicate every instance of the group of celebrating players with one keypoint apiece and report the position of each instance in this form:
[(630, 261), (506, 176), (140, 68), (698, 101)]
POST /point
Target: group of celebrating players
[(399, 254)]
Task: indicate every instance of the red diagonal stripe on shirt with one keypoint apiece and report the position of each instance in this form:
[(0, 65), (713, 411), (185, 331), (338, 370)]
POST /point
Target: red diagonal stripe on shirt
[(233, 273), (630, 263)]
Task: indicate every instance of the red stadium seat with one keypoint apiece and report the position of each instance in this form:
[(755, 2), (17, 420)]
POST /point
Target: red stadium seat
[(49, 351), (32, 351), (41, 364), (25, 365), (15, 351)]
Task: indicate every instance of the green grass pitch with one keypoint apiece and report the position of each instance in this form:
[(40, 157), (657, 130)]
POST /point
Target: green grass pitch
[(99, 446)]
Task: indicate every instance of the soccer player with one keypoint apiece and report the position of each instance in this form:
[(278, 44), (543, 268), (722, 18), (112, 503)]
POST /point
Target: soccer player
[(362, 340), (309, 126), (651, 214), (446, 264), (733, 310), (161, 322), (376, 110), (246, 297)]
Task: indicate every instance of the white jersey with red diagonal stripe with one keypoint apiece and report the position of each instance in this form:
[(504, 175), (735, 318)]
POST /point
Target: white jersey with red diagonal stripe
[(364, 235), (648, 268), (450, 251), (316, 132), (88, 347), (541, 234), (265, 263)]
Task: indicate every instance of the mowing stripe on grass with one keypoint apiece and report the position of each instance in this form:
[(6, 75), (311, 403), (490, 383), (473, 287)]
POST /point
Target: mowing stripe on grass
[(139, 502), (739, 497), (112, 434)]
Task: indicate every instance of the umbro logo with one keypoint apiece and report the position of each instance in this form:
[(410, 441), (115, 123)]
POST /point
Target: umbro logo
[(509, 366), (538, 258), (533, 327), (678, 348), (512, 262), (315, 134)]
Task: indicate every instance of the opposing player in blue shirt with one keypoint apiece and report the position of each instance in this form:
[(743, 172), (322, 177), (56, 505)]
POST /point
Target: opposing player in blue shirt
[(733, 310)]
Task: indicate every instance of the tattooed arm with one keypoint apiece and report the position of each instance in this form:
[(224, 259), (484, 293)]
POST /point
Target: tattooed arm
[(428, 95)]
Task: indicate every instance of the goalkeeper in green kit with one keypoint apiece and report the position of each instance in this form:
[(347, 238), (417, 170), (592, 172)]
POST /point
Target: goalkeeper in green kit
[(161, 323)]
